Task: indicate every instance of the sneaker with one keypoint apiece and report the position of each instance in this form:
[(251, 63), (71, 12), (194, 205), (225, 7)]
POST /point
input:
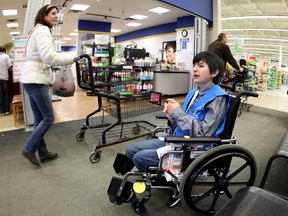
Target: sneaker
[(31, 157), (7, 113), (50, 156)]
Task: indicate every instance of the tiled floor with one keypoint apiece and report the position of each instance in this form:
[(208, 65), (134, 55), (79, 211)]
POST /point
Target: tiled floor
[(77, 107)]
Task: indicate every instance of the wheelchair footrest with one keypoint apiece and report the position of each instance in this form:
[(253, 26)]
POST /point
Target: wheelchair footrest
[(113, 191)]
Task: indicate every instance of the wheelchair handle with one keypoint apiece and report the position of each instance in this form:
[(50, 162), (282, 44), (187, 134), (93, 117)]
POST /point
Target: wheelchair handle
[(175, 179), (247, 93)]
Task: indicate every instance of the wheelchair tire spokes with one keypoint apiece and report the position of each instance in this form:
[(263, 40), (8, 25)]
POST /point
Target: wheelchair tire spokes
[(230, 168)]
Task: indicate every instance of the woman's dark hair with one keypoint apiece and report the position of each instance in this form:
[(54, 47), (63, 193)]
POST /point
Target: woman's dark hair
[(42, 13), (212, 60)]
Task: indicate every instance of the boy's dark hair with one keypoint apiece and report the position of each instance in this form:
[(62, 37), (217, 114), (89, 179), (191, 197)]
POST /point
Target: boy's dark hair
[(42, 13), (212, 60), (242, 62), (171, 44)]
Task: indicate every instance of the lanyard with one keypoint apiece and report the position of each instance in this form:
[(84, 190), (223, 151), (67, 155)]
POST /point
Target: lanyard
[(192, 101)]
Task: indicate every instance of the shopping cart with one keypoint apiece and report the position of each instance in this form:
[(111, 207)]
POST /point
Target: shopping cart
[(118, 97)]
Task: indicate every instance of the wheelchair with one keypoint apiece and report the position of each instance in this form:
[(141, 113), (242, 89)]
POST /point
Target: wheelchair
[(204, 183)]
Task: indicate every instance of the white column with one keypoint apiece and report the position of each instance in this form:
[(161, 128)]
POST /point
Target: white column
[(33, 7), (217, 25)]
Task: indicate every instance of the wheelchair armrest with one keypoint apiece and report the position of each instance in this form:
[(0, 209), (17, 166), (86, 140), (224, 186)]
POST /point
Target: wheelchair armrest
[(161, 117), (187, 139), (160, 129)]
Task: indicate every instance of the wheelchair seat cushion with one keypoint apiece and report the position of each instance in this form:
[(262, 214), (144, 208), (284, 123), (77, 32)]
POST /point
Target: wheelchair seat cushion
[(122, 164)]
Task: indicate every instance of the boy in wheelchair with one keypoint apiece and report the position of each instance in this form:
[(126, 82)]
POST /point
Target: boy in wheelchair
[(203, 114)]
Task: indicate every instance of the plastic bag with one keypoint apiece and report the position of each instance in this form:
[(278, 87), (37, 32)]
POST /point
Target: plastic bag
[(64, 85)]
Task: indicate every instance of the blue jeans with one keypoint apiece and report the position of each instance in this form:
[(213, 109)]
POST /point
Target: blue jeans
[(41, 106), (144, 153), (4, 96)]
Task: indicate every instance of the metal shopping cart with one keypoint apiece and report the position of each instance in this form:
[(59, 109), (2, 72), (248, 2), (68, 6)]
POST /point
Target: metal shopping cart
[(118, 97)]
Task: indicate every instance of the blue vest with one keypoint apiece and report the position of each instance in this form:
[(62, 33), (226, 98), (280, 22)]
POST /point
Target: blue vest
[(198, 111)]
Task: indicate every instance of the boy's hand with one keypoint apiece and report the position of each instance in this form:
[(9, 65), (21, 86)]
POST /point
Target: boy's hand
[(170, 105)]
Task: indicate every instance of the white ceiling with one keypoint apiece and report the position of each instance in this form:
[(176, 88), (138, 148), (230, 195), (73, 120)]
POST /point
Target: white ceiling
[(126, 8)]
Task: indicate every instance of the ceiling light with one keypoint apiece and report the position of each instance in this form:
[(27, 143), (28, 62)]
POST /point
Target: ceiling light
[(79, 7), (9, 12), (67, 38), (132, 24), (116, 30), (138, 17), (265, 39), (73, 34), (159, 10), (14, 33), (257, 17), (256, 29), (12, 25), (63, 42)]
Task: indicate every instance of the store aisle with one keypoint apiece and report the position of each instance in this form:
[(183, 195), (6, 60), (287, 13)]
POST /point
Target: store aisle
[(272, 99), (77, 107)]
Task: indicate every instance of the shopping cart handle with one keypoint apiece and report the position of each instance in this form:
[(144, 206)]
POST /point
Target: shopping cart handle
[(80, 57)]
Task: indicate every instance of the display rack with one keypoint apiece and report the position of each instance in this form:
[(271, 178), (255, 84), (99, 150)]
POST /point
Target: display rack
[(117, 96), (263, 78), (99, 52), (272, 77)]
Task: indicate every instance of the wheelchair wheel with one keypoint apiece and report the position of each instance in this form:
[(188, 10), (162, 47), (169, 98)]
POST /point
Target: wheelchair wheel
[(213, 178), (95, 156)]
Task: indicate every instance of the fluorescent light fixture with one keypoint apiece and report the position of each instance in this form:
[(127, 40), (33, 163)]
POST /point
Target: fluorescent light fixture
[(63, 42), (67, 38), (256, 29), (79, 7), (133, 24), (159, 10), (12, 25), (9, 12), (73, 34), (264, 39), (14, 33), (138, 17), (256, 17), (116, 30)]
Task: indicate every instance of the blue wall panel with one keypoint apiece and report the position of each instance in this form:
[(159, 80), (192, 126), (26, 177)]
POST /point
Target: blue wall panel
[(68, 48), (155, 30), (89, 25), (202, 8), (184, 22)]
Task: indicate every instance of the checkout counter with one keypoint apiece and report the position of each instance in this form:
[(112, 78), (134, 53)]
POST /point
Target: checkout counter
[(172, 82)]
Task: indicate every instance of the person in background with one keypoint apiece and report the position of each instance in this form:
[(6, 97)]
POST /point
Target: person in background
[(5, 64), (36, 78), (170, 50), (240, 76), (222, 50)]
